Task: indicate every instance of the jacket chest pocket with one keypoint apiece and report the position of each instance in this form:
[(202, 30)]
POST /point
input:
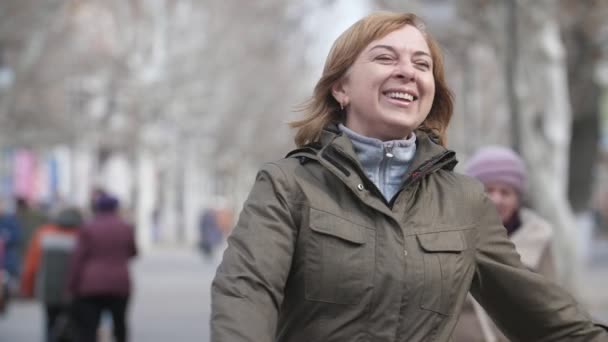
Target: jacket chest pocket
[(447, 264), (339, 259)]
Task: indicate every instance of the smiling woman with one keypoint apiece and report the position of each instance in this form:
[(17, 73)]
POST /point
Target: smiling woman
[(365, 233), (402, 57), (389, 90)]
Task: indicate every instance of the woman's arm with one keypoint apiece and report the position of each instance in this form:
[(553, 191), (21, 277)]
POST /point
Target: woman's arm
[(247, 291), (525, 305)]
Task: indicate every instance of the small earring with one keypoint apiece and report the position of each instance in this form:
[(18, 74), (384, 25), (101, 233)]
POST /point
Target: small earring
[(341, 106)]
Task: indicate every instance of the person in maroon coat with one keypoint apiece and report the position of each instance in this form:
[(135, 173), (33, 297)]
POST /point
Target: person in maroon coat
[(99, 276)]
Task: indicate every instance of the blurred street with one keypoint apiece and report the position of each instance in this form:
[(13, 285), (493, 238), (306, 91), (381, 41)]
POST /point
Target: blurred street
[(172, 298), (171, 301)]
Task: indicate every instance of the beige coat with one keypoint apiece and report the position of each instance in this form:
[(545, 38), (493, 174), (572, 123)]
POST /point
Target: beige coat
[(533, 240)]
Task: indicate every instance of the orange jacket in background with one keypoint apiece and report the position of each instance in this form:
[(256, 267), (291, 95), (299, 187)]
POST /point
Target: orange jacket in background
[(33, 255)]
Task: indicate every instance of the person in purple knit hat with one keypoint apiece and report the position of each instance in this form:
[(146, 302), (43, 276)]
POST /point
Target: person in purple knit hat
[(504, 176), (99, 277)]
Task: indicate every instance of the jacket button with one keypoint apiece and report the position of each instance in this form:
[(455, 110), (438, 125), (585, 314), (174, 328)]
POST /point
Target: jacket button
[(404, 252), (360, 187)]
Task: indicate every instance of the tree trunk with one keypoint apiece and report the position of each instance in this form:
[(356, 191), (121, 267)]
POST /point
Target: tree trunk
[(146, 225), (512, 56), (583, 157), (546, 127), (585, 99)]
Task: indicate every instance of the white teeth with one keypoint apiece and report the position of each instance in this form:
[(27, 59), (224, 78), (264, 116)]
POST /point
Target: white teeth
[(399, 95)]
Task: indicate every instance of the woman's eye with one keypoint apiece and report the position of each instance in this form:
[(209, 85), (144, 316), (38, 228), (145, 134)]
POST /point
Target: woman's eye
[(423, 65), (384, 58)]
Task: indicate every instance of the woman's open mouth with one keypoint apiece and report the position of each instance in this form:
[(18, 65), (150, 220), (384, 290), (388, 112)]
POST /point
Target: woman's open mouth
[(400, 98)]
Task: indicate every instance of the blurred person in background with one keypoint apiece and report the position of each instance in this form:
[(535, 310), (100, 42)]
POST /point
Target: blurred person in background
[(600, 212), (224, 218), (97, 192), (365, 233), (504, 176), (99, 277), (46, 267), (30, 219), (10, 233), (210, 233), (3, 285)]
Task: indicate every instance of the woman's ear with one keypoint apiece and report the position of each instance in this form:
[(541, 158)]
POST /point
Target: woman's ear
[(338, 92)]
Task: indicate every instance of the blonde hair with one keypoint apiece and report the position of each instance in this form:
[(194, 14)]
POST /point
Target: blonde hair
[(322, 108)]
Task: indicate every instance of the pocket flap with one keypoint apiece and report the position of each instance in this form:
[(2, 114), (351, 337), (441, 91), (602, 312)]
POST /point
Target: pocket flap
[(450, 241), (329, 224)]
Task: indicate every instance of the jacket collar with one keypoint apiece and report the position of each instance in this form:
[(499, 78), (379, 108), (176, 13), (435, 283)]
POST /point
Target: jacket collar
[(429, 156), (335, 152)]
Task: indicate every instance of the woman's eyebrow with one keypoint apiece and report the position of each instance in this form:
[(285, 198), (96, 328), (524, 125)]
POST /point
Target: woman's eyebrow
[(387, 47), (422, 53), (393, 50)]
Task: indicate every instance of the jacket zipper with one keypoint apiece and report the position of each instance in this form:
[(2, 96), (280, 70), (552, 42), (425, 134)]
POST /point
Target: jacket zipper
[(386, 158)]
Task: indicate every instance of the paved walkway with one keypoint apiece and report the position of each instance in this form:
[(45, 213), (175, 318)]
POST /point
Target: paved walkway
[(171, 303)]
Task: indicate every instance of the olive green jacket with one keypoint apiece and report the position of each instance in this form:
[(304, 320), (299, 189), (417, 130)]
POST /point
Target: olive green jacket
[(319, 255)]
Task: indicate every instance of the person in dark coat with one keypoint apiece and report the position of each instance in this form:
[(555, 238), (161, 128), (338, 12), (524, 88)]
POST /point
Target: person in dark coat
[(210, 234), (99, 278), (10, 233), (3, 285)]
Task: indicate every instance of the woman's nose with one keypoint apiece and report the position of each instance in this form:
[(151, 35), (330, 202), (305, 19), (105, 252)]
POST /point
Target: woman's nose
[(406, 71)]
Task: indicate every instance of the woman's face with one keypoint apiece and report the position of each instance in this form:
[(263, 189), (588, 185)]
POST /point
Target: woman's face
[(389, 90), (505, 197)]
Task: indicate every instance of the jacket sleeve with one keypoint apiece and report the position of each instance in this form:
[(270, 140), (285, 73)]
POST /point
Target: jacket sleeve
[(525, 305), (247, 291)]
